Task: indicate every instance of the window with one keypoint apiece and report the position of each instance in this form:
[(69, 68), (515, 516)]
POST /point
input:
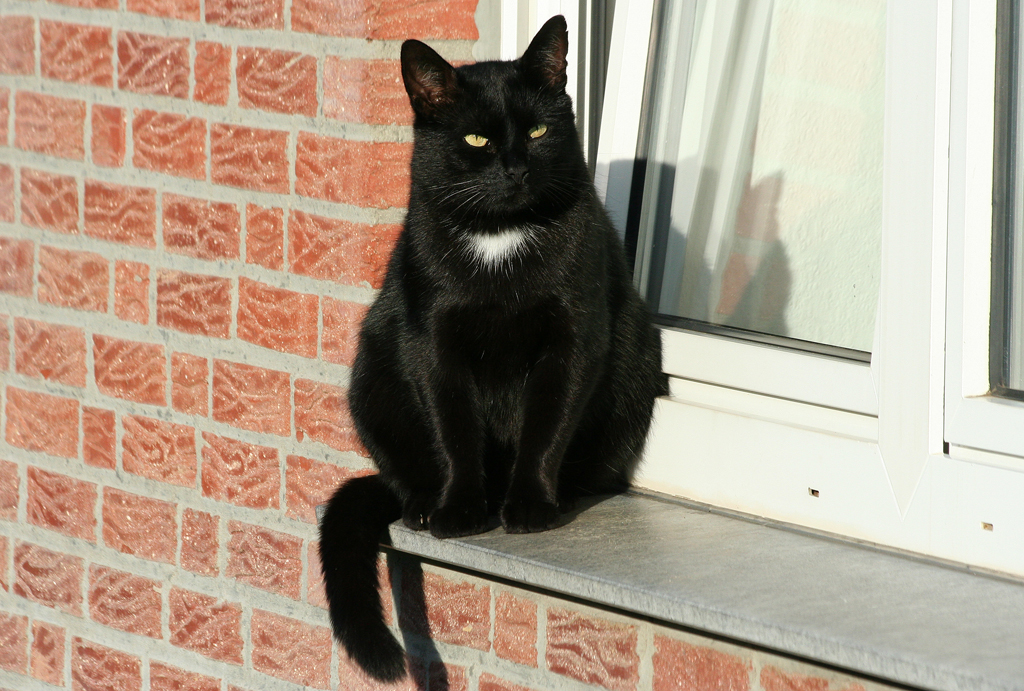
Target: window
[(807, 186), (984, 332)]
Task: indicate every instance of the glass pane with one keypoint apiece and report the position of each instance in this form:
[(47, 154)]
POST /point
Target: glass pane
[(1007, 371), (1015, 324), (762, 200)]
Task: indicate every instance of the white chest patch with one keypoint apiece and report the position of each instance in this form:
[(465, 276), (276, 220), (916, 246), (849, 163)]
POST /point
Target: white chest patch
[(494, 248)]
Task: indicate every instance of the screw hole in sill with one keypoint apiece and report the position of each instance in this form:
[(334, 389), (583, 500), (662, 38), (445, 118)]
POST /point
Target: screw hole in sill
[(986, 526), (812, 492)]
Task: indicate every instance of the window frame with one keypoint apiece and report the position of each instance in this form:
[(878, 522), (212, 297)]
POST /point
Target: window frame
[(861, 456), (978, 426)]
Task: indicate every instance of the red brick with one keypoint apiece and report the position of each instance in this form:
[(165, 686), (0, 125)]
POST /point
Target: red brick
[(190, 384), (773, 679), (194, 303), (130, 370), (169, 143), (213, 73), (47, 655), (200, 228), (310, 483), (99, 438), (315, 593), (159, 450), (355, 679), (251, 398), (200, 624), (6, 172), (14, 643), (448, 677), (321, 415), (291, 650), (246, 14), (149, 64), (49, 125), (387, 19), (4, 553), (140, 526), (336, 250), (98, 668), (264, 236), (166, 678), (108, 136), (175, 9), (131, 291), (592, 650), (76, 53), (276, 80), (489, 682), (41, 422), (341, 330), (369, 91), (387, 599), (61, 503), (9, 494), (265, 559), (371, 174), (243, 474), (49, 201), (16, 259), (124, 601), (199, 543), (456, 612), (17, 53), (73, 279), (250, 158), (48, 578), (515, 629), (120, 213), (277, 318), (48, 351)]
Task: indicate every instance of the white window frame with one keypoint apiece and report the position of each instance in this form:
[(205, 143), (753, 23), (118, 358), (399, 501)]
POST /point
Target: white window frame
[(978, 426), (841, 446)]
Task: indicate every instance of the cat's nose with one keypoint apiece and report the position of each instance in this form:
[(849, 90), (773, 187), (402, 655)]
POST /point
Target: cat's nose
[(518, 174), (517, 169)]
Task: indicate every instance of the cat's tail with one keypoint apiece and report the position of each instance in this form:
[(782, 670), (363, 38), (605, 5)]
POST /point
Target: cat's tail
[(350, 533)]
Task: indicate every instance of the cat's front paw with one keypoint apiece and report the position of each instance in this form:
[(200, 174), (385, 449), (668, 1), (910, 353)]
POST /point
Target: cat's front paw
[(415, 514), (458, 519), (528, 515)]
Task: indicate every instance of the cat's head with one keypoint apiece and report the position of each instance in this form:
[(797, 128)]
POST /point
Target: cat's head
[(496, 142)]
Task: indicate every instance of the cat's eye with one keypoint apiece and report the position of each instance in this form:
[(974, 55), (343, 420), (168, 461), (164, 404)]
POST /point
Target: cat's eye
[(476, 140), (538, 131)]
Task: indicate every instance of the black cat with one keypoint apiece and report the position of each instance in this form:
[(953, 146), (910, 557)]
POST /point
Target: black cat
[(508, 365)]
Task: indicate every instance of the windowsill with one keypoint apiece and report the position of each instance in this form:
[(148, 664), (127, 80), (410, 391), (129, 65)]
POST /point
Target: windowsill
[(864, 610)]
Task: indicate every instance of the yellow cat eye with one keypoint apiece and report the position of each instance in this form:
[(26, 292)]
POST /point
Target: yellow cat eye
[(476, 140), (538, 131)]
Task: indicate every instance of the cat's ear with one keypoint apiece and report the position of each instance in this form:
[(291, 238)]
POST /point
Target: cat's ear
[(545, 58), (429, 80)]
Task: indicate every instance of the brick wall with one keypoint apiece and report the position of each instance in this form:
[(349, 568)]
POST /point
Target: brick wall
[(197, 199)]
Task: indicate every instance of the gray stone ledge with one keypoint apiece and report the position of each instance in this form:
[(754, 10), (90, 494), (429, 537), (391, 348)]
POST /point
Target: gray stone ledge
[(860, 609)]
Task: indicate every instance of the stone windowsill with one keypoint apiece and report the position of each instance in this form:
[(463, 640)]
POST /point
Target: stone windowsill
[(864, 610)]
